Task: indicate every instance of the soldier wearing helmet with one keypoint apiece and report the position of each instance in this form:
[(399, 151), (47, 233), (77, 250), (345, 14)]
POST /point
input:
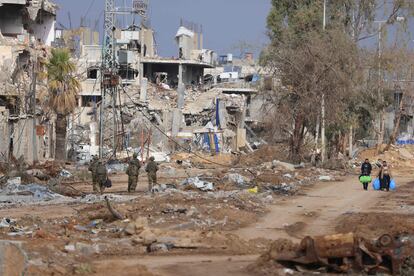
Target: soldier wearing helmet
[(133, 172), (151, 169)]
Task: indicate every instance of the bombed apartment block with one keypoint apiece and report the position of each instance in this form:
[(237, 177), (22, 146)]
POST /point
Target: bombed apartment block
[(27, 30), (28, 20), (159, 98)]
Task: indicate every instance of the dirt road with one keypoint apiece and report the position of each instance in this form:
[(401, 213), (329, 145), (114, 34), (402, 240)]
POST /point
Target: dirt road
[(313, 212)]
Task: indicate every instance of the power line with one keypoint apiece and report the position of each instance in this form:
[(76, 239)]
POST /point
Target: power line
[(171, 139)]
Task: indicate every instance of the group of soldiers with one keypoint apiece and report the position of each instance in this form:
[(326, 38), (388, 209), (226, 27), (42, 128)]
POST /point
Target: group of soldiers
[(100, 174)]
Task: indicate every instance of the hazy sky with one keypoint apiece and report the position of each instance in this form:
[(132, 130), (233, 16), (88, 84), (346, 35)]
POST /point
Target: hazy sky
[(225, 22)]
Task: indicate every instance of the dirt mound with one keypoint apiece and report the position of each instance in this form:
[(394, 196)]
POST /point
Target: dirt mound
[(399, 157), (202, 160), (264, 154), (373, 225)]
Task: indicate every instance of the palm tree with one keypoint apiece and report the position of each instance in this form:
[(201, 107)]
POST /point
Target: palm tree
[(63, 91)]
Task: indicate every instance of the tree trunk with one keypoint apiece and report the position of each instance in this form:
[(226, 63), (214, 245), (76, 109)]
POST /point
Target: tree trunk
[(381, 131), (323, 136), (397, 121), (351, 136), (297, 138), (317, 132), (61, 126)]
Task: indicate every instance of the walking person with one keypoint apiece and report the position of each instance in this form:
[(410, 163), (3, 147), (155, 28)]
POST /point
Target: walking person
[(385, 176), (101, 175), (133, 171), (365, 177), (151, 169), (92, 168)]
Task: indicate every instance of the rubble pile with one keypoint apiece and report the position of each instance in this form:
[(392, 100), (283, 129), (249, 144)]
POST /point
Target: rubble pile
[(399, 157)]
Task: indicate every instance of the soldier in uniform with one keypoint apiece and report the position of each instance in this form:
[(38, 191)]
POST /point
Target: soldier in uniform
[(92, 169), (151, 169), (133, 172), (101, 175)]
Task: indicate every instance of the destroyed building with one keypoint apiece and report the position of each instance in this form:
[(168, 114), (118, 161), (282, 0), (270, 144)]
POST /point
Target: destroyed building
[(27, 30), (162, 98)]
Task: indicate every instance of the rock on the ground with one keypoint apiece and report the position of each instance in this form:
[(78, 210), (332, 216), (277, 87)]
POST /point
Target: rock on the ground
[(137, 226), (87, 249), (158, 247), (325, 178), (148, 237), (140, 224), (284, 165), (130, 229)]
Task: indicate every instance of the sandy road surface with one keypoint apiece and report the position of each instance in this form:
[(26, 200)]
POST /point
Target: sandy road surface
[(315, 210), (312, 212)]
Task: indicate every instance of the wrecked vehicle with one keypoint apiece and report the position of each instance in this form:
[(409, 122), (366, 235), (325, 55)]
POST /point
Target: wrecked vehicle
[(345, 253)]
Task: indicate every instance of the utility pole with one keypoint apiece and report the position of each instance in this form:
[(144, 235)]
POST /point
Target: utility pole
[(381, 115), (323, 150), (110, 79), (33, 109)]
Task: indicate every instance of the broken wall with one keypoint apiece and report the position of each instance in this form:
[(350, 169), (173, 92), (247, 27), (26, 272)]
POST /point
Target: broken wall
[(33, 141), (44, 29), (148, 39), (11, 22)]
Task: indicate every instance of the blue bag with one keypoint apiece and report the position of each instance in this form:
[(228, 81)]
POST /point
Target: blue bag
[(376, 185), (393, 186)]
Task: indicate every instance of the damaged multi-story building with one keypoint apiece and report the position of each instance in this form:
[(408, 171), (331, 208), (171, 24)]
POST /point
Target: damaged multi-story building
[(27, 30), (163, 98)]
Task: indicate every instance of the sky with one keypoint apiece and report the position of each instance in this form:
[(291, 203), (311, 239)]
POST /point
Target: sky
[(226, 23)]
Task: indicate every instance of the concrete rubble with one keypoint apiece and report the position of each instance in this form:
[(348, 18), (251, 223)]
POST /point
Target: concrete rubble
[(200, 115)]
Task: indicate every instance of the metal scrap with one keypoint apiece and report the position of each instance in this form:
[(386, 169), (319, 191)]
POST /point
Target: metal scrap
[(343, 253)]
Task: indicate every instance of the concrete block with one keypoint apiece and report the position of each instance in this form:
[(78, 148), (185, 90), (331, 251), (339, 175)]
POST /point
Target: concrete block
[(181, 94), (143, 91)]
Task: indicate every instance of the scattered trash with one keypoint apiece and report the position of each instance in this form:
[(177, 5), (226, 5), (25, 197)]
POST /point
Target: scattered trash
[(283, 188), (199, 184), (114, 166), (172, 211), (65, 174), (236, 179), (163, 188), (14, 181), (31, 193), (254, 190)]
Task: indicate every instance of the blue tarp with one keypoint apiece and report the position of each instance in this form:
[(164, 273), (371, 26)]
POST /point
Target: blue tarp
[(405, 142)]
